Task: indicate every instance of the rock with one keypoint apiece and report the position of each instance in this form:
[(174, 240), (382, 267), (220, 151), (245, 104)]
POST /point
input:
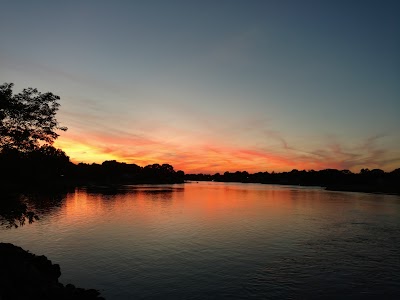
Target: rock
[(24, 275)]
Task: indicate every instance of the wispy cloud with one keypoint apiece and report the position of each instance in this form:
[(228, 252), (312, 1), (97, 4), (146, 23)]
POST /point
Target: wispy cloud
[(210, 155)]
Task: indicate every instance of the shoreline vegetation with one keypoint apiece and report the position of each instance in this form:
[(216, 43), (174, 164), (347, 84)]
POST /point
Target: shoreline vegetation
[(367, 181), (49, 169), (42, 171)]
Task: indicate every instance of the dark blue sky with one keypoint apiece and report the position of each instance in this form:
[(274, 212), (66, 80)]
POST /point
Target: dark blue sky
[(215, 85)]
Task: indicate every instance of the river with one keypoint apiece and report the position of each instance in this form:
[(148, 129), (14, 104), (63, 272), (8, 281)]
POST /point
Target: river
[(210, 240)]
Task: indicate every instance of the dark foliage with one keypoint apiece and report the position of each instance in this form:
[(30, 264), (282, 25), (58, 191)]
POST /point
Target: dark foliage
[(122, 173), (14, 211), (27, 119), (44, 166), (49, 168)]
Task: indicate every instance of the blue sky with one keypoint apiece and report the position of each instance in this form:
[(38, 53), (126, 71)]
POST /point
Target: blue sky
[(214, 85)]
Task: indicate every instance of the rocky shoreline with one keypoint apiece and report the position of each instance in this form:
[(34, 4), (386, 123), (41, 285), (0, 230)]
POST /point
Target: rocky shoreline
[(24, 275)]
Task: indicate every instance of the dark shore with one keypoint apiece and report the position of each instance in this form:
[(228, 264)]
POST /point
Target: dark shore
[(24, 275), (367, 181)]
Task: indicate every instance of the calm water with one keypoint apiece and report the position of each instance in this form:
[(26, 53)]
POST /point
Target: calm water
[(216, 240)]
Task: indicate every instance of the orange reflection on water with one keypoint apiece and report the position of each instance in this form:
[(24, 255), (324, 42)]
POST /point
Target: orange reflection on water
[(204, 203)]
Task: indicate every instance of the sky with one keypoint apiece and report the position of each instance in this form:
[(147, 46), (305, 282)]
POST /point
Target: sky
[(214, 86)]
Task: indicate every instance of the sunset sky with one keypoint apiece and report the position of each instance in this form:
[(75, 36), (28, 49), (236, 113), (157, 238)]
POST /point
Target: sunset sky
[(214, 86)]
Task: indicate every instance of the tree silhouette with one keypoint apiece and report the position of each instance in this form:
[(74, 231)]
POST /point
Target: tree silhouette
[(14, 212), (27, 119)]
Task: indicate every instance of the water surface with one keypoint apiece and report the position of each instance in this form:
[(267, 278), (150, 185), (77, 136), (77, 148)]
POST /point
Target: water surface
[(220, 240)]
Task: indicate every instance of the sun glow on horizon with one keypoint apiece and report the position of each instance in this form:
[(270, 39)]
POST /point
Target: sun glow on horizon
[(83, 153), (207, 159)]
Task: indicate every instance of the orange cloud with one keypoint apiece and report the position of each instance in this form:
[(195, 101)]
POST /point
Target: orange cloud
[(212, 156), (190, 158)]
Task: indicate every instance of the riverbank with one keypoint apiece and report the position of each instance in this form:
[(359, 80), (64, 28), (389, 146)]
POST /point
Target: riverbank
[(24, 275), (367, 181), (374, 189)]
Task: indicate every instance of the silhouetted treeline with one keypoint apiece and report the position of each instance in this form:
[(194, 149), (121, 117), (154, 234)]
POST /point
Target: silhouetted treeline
[(117, 172), (366, 180), (51, 167)]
